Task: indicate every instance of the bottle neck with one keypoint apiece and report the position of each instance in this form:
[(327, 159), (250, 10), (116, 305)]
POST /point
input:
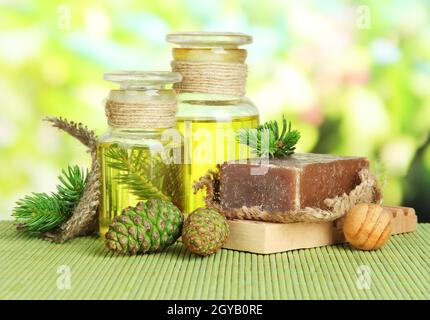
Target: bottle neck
[(136, 133), (210, 54), (141, 109), (142, 95), (209, 71), (214, 99), (148, 131)]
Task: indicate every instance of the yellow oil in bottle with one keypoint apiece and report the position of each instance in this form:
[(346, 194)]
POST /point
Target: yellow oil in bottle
[(207, 143), (135, 173)]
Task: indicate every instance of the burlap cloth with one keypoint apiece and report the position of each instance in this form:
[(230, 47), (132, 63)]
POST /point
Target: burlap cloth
[(84, 219)]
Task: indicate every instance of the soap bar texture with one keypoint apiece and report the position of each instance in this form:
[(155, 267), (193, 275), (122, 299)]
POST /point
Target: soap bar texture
[(293, 183)]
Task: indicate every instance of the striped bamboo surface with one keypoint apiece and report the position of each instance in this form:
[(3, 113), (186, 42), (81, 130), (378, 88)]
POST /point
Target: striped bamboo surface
[(32, 269)]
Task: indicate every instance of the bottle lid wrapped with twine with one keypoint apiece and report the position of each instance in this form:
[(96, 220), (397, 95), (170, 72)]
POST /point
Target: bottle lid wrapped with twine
[(143, 101), (210, 62)]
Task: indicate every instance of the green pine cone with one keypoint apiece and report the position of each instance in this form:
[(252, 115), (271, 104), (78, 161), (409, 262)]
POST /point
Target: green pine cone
[(146, 228), (205, 231)]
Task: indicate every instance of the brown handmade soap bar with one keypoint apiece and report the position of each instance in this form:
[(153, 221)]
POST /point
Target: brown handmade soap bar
[(296, 182)]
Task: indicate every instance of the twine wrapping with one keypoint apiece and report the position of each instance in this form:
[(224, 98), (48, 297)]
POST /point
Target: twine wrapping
[(146, 115), (367, 191), (211, 77)]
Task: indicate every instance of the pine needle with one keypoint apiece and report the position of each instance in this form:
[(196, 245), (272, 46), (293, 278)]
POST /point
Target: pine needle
[(266, 140), (134, 169), (72, 184), (41, 212)]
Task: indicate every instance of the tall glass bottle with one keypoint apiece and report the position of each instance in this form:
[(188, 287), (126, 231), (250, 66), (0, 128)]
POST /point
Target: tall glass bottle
[(211, 102), (140, 155)]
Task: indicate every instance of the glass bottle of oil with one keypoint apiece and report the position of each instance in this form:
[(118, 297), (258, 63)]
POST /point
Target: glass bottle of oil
[(209, 120), (141, 154)]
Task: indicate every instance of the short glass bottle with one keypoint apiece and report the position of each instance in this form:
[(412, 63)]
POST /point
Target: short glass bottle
[(140, 158), (209, 120)]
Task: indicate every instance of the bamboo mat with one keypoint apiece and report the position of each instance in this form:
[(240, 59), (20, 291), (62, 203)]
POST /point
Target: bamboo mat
[(35, 269)]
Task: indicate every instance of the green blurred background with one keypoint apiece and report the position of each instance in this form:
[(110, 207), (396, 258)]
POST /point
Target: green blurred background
[(354, 76)]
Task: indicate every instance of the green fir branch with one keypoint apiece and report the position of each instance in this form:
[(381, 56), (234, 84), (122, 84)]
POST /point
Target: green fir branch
[(72, 185), (173, 182), (268, 140), (41, 212), (133, 171)]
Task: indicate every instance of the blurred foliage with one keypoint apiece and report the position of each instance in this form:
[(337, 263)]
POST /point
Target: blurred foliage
[(354, 76)]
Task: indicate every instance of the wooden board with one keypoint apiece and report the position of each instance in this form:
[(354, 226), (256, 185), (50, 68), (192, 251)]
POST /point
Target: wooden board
[(267, 237)]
